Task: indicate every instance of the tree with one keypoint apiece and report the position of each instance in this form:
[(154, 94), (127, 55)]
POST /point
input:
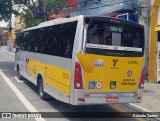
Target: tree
[(36, 11), (29, 20), (5, 10), (27, 4), (52, 6), (46, 7)]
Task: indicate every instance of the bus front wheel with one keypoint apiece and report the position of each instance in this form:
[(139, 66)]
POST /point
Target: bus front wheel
[(41, 92)]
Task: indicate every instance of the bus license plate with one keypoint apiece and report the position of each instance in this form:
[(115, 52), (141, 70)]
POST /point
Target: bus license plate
[(112, 99)]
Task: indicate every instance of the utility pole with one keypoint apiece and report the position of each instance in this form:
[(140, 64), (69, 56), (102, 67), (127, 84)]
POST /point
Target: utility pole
[(10, 24), (10, 41), (144, 19), (40, 10)]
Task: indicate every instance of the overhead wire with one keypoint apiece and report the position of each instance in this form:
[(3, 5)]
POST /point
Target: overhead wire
[(99, 5)]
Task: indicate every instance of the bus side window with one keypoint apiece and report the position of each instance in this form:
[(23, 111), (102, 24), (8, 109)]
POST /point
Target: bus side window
[(68, 49), (19, 39), (50, 41), (59, 38), (31, 40), (24, 40), (70, 36), (39, 40)]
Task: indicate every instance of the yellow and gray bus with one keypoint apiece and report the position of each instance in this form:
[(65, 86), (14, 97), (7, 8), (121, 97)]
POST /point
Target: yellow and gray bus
[(84, 59)]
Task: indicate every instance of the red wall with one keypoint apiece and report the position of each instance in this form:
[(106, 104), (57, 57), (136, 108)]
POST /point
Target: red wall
[(72, 2)]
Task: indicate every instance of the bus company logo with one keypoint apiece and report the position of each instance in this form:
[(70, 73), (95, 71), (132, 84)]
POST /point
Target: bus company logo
[(99, 63), (129, 72), (115, 62)]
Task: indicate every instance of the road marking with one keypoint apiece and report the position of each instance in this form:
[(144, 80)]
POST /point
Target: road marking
[(141, 108), (121, 110), (21, 97), (16, 78)]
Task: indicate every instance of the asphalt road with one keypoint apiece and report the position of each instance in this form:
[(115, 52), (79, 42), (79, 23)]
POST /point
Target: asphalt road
[(10, 102)]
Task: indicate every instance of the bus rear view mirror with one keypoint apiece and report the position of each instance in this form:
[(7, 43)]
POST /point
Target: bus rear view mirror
[(86, 19), (17, 49)]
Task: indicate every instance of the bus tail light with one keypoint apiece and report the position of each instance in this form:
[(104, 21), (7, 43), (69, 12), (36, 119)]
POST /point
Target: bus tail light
[(78, 77), (141, 84)]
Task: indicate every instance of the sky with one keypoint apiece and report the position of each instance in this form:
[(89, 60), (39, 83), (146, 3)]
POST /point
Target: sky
[(4, 24)]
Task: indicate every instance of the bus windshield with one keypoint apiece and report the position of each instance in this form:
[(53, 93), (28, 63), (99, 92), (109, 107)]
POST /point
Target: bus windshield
[(117, 37)]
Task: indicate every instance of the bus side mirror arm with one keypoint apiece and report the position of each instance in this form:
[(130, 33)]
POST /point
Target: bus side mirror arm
[(17, 49)]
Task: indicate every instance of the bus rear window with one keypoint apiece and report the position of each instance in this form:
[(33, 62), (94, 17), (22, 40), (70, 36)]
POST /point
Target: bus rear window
[(115, 36)]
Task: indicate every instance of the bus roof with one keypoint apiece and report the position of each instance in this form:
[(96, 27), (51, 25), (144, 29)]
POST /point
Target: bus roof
[(54, 22), (65, 20)]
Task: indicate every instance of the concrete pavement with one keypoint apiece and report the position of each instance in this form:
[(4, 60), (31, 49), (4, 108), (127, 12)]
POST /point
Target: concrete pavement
[(151, 97), (4, 48), (9, 102)]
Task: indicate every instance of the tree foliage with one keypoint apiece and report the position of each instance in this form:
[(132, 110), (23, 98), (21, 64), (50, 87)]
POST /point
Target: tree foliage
[(5, 9), (35, 11), (29, 20), (53, 6)]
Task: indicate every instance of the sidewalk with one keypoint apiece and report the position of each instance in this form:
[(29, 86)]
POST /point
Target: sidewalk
[(4, 48), (151, 96)]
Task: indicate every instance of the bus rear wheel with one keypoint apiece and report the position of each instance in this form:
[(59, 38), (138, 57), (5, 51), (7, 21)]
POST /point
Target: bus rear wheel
[(41, 92)]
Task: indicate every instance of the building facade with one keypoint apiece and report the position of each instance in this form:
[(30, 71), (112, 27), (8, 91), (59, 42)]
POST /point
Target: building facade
[(3, 36), (105, 7)]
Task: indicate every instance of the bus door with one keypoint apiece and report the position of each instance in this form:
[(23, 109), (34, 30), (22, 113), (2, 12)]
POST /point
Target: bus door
[(114, 57), (158, 57), (24, 55)]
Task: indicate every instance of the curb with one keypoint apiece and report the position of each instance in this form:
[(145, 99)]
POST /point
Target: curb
[(7, 52), (10, 53)]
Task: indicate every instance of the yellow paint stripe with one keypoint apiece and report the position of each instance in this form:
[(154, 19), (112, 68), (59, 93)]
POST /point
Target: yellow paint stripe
[(54, 76)]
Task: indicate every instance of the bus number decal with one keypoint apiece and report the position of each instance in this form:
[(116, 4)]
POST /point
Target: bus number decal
[(116, 29), (65, 75), (133, 62)]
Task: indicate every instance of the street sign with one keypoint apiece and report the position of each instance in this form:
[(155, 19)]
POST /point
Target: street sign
[(9, 45), (128, 16), (9, 35)]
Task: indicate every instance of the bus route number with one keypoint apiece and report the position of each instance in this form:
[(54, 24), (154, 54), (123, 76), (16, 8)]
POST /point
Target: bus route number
[(133, 62), (116, 29)]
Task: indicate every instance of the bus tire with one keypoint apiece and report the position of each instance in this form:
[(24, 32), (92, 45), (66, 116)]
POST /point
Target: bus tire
[(41, 92), (20, 77)]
